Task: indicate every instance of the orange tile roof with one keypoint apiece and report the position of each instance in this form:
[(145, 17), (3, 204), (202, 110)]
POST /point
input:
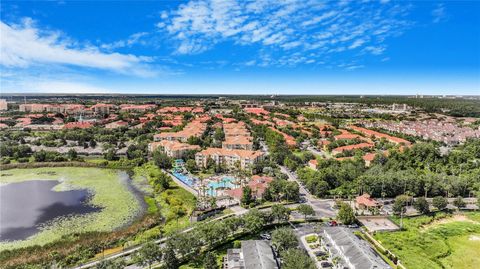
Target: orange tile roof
[(256, 110), (81, 125), (366, 200), (376, 134), (352, 147)]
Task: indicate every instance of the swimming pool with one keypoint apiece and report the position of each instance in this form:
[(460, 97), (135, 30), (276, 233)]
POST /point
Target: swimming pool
[(185, 179), (226, 182)]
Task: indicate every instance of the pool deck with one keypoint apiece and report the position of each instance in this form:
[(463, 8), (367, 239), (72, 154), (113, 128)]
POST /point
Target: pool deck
[(182, 184)]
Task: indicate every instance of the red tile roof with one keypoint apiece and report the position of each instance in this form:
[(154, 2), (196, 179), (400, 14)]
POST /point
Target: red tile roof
[(366, 200)]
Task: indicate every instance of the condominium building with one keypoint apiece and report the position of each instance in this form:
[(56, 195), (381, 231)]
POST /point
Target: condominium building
[(352, 252), (173, 149), (137, 108), (253, 254), (229, 157), (194, 128), (237, 136), (339, 150), (52, 108), (102, 109), (3, 104)]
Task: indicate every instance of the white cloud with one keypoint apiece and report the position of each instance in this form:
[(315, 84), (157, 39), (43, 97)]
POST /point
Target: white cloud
[(439, 14), (130, 41), (24, 45), (357, 43), (285, 27)]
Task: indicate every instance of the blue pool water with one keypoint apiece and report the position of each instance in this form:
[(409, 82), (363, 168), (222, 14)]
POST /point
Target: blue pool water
[(185, 179), (227, 183), (212, 186)]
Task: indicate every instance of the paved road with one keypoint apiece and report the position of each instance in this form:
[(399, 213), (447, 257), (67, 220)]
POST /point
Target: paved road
[(322, 207), (316, 152)]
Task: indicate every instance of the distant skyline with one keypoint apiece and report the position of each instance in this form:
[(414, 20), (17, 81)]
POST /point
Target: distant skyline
[(241, 47)]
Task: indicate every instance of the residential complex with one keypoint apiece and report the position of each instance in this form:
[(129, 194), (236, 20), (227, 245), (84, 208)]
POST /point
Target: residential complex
[(353, 253), (253, 254), (447, 131), (192, 129), (237, 136), (172, 148), (231, 158)]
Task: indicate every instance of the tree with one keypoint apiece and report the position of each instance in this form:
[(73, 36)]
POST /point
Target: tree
[(284, 239), (306, 210), (109, 264), (399, 205), (346, 214), (210, 261), (458, 202), (291, 191), (296, 258), (280, 212), (439, 202), (92, 143), (421, 205), (247, 196), (149, 253), (72, 154), (170, 259), (254, 220), (190, 165), (110, 155), (161, 181), (161, 159)]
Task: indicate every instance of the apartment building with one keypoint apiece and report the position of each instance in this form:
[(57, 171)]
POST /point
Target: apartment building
[(194, 128), (339, 150), (136, 108), (253, 254), (378, 135), (173, 149), (229, 157), (52, 108), (237, 136), (352, 252), (3, 104), (102, 109)]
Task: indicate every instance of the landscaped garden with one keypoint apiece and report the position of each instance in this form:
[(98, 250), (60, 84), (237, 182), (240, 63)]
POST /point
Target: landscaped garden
[(437, 241)]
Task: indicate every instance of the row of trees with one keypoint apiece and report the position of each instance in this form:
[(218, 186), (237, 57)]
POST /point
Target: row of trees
[(420, 171)]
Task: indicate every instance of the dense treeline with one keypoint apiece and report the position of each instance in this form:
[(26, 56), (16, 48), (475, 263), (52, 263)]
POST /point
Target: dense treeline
[(419, 171)]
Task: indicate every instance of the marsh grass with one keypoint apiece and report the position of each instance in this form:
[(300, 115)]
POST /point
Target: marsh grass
[(443, 245), (118, 204)]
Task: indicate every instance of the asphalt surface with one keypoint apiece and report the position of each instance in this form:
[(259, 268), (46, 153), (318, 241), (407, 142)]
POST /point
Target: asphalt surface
[(323, 207)]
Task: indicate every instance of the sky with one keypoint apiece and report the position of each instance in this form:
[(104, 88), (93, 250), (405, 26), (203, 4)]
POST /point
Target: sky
[(240, 47)]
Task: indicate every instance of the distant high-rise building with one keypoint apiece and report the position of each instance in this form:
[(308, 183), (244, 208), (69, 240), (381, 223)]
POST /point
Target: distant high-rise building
[(3, 104)]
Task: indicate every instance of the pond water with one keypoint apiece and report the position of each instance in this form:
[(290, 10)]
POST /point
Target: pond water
[(26, 205)]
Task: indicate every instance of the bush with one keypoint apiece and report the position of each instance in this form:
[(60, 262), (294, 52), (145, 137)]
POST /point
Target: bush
[(311, 238)]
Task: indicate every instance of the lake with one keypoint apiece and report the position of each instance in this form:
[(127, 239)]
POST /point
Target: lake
[(26, 205)]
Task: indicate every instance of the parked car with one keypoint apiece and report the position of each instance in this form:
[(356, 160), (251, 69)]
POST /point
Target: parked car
[(326, 265), (265, 236), (320, 253), (332, 223), (353, 226)]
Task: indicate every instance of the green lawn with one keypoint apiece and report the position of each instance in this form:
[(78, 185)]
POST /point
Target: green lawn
[(118, 204), (169, 201), (447, 244)]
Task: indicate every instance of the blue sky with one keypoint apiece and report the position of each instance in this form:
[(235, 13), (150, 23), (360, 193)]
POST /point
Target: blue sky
[(241, 47)]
